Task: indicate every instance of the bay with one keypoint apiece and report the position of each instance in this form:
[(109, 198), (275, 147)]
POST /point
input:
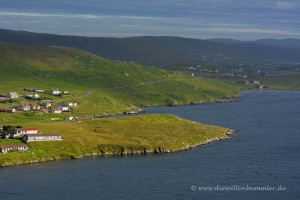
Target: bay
[(264, 153)]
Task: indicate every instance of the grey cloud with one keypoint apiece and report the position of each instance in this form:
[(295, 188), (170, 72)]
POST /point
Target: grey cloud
[(284, 5)]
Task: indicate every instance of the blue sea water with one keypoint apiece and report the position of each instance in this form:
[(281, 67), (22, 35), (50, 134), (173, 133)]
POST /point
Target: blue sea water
[(264, 153)]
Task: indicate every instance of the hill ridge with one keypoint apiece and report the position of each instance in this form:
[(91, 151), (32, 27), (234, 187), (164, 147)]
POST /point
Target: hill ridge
[(163, 50)]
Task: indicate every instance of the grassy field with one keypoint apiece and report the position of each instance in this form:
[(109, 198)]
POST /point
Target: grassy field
[(123, 135)]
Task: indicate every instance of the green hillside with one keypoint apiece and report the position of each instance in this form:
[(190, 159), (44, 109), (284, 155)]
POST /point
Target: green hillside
[(167, 51), (100, 85)]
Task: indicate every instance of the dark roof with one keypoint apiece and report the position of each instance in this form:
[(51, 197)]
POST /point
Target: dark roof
[(13, 146)]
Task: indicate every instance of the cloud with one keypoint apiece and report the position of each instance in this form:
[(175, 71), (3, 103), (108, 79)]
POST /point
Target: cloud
[(191, 18), (82, 16), (285, 5)]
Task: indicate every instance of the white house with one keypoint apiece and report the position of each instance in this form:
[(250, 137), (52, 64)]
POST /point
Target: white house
[(12, 95), (33, 96), (20, 131), (41, 137), (56, 110), (24, 107), (13, 147), (63, 108), (254, 81), (69, 118), (70, 104), (55, 92), (34, 89)]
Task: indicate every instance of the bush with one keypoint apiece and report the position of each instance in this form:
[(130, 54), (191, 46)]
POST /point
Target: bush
[(170, 102)]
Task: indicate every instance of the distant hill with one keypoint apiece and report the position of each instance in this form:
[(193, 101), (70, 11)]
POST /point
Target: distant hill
[(226, 41), (163, 51), (288, 43)]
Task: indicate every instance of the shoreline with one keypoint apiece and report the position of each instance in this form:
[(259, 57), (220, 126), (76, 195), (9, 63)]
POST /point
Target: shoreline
[(158, 150), (142, 111)]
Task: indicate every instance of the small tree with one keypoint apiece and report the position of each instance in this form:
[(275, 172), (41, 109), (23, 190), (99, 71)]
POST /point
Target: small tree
[(8, 129)]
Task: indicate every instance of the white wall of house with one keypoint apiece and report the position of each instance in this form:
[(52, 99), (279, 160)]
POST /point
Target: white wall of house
[(43, 138)]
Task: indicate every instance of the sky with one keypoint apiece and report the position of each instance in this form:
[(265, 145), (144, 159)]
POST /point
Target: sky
[(203, 19)]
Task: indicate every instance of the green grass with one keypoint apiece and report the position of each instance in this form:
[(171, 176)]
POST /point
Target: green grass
[(9, 141), (116, 135), (99, 85), (284, 82)]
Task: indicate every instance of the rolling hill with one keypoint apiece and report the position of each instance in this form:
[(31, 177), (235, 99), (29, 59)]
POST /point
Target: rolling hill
[(100, 85), (164, 51)]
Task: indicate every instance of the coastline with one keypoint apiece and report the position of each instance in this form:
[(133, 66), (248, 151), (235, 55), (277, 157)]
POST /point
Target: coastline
[(143, 151), (142, 111), (125, 153)]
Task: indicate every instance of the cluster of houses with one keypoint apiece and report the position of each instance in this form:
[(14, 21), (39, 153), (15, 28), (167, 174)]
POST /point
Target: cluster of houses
[(250, 82), (26, 135), (202, 69), (44, 107), (54, 92), (33, 95)]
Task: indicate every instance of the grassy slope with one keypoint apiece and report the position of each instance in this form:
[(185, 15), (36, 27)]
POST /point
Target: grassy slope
[(102, 86), (282, 82), (98, 84), (116, 135)]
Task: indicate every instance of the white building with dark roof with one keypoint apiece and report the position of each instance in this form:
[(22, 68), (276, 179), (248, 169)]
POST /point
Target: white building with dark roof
[(13, 147), (55, 92), (42, 137), (21, 131)]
